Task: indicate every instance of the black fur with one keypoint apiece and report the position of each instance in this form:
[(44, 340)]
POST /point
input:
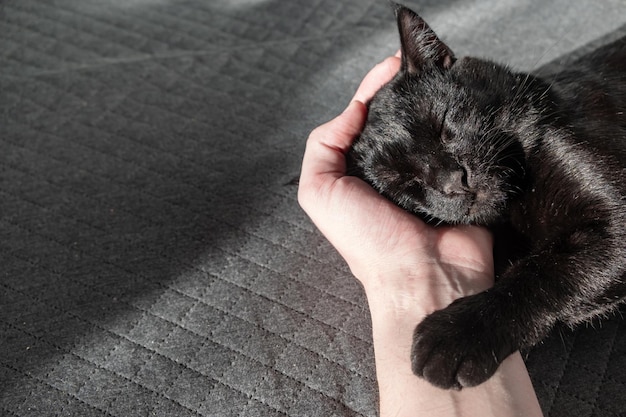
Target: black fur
[(542, 161)]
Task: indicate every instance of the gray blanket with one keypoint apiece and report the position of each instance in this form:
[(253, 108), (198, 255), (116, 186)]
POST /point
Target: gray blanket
[(153, 261)]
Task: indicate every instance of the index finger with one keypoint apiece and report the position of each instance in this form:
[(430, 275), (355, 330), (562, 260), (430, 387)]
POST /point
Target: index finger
[(380, 75)]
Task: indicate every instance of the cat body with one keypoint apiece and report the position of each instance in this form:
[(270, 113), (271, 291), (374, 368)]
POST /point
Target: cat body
[(540, 160)]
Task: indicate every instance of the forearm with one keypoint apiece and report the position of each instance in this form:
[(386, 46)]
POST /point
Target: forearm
[(395, 313)]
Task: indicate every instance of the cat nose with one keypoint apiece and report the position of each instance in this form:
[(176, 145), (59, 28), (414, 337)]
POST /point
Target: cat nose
[(455, 182)]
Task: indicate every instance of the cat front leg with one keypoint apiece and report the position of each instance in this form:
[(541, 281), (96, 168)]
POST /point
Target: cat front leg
[(571, 279), (464, 344)]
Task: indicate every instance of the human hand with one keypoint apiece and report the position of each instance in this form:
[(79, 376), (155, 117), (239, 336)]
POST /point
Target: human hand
[(386, 248), (408, 269)]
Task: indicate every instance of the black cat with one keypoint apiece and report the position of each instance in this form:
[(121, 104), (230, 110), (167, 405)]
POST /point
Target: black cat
[(541, 161)]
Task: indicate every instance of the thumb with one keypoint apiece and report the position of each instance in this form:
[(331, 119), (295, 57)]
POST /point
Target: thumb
[(327, 145), (340, 132)]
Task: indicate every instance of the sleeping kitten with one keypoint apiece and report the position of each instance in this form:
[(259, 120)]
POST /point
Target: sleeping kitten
[(541, 161)]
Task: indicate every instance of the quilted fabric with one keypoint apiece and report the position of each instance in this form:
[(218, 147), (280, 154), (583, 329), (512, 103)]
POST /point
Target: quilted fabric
[(154, 261)]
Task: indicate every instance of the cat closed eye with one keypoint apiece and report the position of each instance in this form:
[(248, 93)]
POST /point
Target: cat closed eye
[(445, 136)]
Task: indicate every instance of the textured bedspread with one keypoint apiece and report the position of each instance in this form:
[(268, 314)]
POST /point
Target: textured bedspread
[(152, 260)]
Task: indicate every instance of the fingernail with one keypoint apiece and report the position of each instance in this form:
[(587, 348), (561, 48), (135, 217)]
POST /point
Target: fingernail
[(352, 104)]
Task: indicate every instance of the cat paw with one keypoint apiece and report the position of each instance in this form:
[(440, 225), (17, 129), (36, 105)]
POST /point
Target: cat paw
[(460, 346)]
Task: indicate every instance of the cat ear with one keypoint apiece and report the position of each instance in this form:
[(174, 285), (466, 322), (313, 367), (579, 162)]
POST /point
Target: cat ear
[(420, 44)]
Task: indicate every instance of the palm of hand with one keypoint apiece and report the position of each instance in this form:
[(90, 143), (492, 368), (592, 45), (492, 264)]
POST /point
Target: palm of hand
[(372, 234)]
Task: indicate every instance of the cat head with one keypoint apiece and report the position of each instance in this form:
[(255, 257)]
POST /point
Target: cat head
[(442, 138)]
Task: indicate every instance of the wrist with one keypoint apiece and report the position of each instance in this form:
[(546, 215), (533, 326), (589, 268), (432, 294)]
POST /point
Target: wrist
[(398, 301), (416, 290)]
